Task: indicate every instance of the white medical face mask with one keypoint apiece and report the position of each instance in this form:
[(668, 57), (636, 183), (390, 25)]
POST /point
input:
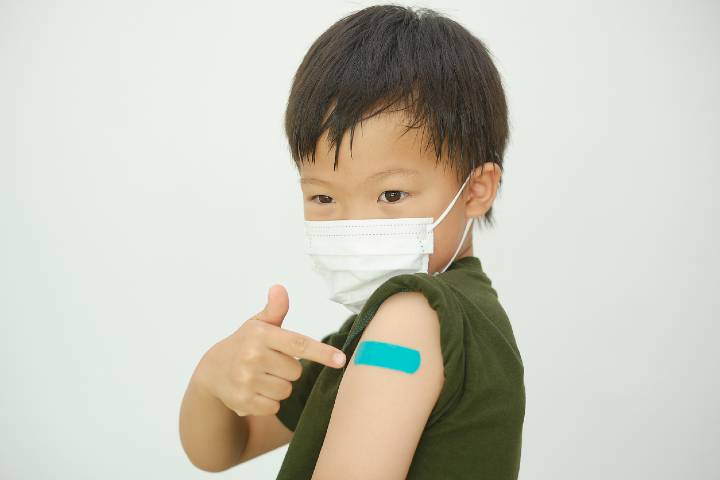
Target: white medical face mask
[(355, 257)]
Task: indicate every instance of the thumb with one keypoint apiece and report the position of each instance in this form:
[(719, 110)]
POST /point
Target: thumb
[(276, 307)]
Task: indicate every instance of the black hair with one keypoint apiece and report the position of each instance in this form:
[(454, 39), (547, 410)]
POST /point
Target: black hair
[(440, 74)]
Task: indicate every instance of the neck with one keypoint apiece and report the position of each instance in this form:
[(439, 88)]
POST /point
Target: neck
[(467, 251)]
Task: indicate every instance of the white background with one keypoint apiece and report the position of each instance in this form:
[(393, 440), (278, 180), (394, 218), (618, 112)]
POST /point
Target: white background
[(148, 200)]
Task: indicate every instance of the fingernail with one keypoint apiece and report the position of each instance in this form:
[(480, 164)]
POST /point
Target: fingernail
[(339, 359)]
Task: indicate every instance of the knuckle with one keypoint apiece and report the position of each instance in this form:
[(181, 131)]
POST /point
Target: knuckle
[(268, 406), (252, 354), (259, 328), (242, 398), (297, 372), (241, 412), (234, 404), (243, 377), (299, 344), (250, 323)]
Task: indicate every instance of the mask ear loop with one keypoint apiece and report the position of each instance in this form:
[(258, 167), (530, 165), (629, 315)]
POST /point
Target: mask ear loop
[(449, 207), (462, 240), (467, 225)]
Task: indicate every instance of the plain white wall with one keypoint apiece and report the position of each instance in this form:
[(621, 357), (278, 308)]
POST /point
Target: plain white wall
[(148, 200)]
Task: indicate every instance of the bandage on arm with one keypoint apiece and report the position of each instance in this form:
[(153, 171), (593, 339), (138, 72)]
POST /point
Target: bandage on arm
[(387, 392)]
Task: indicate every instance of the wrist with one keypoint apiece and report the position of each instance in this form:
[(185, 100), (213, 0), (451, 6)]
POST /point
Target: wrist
[(200, 381)]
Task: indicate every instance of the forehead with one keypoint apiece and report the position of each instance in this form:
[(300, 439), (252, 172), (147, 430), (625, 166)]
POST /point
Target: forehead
[(381, 142)]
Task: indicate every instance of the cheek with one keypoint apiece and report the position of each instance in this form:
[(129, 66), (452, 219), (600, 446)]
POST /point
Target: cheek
[(447, 237), (313, 210)]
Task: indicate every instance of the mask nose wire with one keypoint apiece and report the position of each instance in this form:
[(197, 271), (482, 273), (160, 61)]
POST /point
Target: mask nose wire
[(449, 207)]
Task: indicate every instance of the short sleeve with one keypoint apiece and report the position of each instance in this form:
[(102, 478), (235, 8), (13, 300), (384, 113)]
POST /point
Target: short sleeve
[(292, 407), (443, 300)]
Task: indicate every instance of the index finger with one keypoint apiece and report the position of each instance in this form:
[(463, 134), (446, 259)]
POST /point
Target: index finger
[(302, 346)]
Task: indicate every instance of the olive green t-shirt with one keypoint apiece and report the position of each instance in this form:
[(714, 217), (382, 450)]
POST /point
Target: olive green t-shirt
[(475, 429)]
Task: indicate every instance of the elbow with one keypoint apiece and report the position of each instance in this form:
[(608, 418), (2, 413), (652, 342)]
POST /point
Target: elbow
[(208, 466), (207, 463)]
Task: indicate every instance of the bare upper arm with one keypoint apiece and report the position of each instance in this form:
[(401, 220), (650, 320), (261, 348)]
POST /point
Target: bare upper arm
[(380, 413), (265, 433)]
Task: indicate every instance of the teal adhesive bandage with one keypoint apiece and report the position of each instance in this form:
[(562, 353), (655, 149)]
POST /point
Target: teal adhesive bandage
[(387, 355)]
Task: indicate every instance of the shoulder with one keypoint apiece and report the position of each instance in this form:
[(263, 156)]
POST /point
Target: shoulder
[(407, 320), (419, 293), (386, 393), (406, 313), (427, 311), (417, 308)]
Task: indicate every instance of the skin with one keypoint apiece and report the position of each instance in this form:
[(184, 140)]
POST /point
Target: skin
[(379, 414), (228, 412), (351, 191), (227, 415)]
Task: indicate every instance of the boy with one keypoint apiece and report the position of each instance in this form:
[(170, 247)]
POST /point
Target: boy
[(433, 386)]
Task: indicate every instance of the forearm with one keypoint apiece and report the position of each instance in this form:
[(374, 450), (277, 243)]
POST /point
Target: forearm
[(212, 435)]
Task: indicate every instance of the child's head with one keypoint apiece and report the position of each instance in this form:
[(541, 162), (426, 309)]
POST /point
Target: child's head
[(410, 80)]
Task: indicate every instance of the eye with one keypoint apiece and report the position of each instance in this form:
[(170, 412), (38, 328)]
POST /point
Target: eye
[(392, 196), (322, 199)]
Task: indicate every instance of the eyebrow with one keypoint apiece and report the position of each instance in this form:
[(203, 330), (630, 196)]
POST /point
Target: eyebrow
[(392, 171), (374, 177)]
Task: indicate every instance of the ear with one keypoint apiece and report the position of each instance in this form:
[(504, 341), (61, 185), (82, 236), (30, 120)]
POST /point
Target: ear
[(481, 189)]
